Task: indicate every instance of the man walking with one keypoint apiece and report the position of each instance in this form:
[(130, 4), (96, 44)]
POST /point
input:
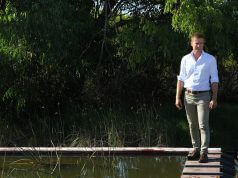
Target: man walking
[(199, 76)]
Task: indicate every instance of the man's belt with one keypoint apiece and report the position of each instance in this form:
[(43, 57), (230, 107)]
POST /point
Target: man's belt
[(196, 92)]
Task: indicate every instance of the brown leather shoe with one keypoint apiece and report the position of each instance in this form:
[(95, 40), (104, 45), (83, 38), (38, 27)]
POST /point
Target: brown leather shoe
[(203, 158), (193, 155)]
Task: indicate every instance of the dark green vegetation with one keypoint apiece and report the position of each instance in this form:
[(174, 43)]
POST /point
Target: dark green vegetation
[(117, 127), (59, 57)]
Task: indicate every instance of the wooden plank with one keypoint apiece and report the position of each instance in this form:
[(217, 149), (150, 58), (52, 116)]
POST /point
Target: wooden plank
[(213, 160), (197, 164), (159, 150), (215, 151), (168, 149), (200, 176), (212, 155), (201, 171)]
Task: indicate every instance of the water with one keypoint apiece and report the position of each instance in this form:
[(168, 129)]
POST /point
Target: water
[(92, 167)]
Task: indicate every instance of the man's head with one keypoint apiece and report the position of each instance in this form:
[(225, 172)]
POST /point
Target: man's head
[(197, 42)]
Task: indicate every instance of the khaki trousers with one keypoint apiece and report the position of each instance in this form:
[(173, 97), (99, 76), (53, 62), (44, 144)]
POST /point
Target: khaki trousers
[(197, 110)]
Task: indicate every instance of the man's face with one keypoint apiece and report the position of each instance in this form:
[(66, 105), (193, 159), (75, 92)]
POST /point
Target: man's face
[(197, 44)]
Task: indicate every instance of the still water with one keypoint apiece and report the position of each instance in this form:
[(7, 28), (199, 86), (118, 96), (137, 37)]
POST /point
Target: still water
[(92, 167)]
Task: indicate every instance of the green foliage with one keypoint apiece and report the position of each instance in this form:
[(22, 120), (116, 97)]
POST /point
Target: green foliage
[(192, 16), (145, 40), (58, 54), (41, 42), (70, 52), (216, 18)]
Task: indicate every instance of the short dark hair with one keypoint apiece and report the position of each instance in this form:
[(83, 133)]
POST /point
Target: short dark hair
[(198, 35)]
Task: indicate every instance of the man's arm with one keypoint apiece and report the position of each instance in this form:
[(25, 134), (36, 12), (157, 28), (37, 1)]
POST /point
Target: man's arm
[(179, 90), (213, 102), (181, 77), (214, 84)]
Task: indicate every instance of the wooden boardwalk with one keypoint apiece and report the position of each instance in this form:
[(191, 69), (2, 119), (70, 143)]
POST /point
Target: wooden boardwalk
[(220, 165)]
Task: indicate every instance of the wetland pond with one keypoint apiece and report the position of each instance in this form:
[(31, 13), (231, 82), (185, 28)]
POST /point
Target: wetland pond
[(91, 166)]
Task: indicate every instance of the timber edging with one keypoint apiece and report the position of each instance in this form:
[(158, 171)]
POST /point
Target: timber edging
[(100, 150)]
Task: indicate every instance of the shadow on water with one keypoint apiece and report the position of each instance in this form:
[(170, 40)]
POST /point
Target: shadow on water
[(90, 167)]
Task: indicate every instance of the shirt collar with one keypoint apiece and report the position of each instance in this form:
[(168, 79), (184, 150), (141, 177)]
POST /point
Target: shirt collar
[(199, 57)]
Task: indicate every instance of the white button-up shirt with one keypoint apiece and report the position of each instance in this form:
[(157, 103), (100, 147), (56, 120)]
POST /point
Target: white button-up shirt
[(198, 75)]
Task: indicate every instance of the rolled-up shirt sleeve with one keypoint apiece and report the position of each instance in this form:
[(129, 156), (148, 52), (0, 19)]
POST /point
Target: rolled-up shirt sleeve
[(214, 72), (182, 73)]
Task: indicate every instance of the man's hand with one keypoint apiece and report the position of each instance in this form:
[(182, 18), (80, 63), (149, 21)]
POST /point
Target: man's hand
[(179, 103), (213, 104), (179, 90)]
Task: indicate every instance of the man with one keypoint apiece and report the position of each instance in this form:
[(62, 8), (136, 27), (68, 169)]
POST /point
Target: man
[(198, 75)]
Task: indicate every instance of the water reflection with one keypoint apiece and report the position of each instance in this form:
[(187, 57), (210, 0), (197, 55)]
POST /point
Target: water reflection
[(93, 167)]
